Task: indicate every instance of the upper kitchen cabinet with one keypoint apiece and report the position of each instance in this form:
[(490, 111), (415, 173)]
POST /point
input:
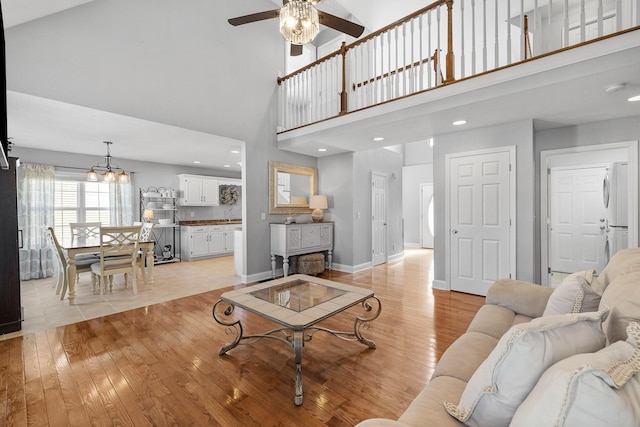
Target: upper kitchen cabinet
[(198, 190)]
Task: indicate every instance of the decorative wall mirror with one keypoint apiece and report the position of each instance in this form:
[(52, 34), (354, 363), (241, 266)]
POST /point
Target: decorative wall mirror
[(290, 187)]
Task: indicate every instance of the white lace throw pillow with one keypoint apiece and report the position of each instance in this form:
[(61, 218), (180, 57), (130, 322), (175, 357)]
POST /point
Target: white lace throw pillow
[(595, 389), (578, 293), (512, 369)]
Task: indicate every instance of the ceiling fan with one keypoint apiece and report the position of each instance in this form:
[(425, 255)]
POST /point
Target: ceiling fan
[(299, 21)]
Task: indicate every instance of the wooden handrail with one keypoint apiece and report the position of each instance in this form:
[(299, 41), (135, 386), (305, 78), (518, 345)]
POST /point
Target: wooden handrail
[(393, 72), (380, 31)]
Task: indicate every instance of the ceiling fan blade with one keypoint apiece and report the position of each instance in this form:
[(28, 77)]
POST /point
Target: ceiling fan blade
[(342, 25), (296, 49), (254, 17)]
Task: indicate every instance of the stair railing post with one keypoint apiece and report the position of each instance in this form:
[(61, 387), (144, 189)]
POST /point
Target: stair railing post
[(450, 57), (343, 94)]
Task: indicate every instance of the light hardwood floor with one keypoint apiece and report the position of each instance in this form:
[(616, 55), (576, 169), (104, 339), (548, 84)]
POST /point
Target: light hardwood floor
[(158, 365)]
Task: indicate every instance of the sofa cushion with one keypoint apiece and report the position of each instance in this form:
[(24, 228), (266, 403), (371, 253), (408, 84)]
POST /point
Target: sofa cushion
[(510, 372), (623, 262), (427, 410), (594, 389), (574, 295), (492, 320), (463, 357), (622, 296), (521, 297)]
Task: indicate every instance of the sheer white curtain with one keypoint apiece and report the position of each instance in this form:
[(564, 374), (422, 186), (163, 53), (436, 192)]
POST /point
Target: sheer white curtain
[(35, 211), (120, 204)]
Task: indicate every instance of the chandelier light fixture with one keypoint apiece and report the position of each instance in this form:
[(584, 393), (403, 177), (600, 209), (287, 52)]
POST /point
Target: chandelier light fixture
[(109, 172), (299, 23)]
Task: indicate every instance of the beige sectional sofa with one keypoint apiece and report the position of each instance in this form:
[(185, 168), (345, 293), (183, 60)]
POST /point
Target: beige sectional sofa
[(556, 389)]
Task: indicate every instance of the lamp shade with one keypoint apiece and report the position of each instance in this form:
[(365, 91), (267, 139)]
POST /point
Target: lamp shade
[(318, 202), (148, 214)]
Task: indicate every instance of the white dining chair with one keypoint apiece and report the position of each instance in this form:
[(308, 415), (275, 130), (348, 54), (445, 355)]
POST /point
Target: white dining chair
[(118, 254), (62, 262)]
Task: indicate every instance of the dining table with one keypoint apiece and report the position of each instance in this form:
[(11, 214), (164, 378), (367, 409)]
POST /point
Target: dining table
[(76, 246)]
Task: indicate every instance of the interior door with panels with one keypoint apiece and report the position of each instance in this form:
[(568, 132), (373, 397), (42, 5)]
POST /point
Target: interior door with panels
[(480, 242)]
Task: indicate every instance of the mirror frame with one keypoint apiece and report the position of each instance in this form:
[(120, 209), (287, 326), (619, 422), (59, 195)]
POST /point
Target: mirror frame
[(274, 168)]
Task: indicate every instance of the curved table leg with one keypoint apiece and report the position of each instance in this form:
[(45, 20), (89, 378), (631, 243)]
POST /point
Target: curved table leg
[(233, 326)]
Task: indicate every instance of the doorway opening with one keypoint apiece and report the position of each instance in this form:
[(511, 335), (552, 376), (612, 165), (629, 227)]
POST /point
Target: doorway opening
[(559, 228)]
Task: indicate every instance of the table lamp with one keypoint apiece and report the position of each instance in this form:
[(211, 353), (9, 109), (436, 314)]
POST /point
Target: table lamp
[(148, 215), (318, 203)]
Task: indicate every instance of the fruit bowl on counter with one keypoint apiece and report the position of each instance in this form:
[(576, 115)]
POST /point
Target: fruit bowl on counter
[(165, 221)]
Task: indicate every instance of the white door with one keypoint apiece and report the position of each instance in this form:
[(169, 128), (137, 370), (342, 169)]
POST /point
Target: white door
[(576, 219), (379, 218), (426, 215), (480, 206)]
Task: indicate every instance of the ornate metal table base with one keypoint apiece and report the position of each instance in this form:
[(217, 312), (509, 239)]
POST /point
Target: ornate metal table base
[(293, 336)]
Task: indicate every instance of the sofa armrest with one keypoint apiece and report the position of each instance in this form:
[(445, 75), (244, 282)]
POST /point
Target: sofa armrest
[(381, 422), (522, 297)]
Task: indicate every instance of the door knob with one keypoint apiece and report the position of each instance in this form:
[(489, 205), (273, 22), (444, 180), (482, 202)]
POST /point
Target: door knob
[(454, 231), (602, 227)]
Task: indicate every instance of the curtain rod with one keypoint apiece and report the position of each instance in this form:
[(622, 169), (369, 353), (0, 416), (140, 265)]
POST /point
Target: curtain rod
[(77, 168)]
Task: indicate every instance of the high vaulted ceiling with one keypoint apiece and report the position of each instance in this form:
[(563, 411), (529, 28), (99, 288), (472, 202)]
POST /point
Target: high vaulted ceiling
[(172, 82), (155, 73)]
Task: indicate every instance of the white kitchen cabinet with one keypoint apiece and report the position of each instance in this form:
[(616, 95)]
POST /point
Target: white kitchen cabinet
[(207, 241), (196, 190), (299, 239)]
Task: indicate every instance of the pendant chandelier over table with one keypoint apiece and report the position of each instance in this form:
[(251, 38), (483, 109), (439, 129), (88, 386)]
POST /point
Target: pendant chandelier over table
[(110, 172)]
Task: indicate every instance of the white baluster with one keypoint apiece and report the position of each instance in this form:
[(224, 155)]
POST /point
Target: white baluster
[(583, 19)]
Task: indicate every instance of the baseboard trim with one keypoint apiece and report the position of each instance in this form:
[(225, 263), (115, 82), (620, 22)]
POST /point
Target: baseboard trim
[(396, 257), (440, 284), (258, 277), (412, 245), (351, 268)]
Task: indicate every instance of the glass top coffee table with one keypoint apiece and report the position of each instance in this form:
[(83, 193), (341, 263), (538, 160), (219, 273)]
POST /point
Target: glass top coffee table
[(297, 303)]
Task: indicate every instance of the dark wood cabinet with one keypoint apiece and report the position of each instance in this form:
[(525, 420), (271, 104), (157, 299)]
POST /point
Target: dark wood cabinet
[(10, 307)]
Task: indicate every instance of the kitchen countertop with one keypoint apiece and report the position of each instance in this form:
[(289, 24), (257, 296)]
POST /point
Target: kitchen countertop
[(198, 222)]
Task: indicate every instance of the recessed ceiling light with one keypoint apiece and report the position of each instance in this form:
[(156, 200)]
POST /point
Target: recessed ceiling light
[(634, 98), (430, 142), (378, 138), (322, 150), (227, 166), (616, 87), (197, 162), (459, 122), (235, 151)]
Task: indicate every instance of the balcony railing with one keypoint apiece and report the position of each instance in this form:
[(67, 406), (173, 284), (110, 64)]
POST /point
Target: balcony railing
[(440, 44)]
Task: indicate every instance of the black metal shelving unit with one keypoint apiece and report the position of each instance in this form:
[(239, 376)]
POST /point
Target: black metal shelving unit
[(164, 205)]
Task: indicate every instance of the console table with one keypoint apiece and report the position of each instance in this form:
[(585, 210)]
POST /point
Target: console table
[(298, 239)]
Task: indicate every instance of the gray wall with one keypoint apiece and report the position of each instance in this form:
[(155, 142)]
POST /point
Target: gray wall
[(346, 179), (518, 134), (335, 176)]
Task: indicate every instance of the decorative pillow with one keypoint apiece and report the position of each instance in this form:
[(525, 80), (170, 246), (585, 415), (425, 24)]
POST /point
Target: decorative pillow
[(513, 368), (576, 294), (597, 389)]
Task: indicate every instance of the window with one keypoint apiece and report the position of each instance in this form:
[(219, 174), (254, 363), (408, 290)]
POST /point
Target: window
[(76, 200)]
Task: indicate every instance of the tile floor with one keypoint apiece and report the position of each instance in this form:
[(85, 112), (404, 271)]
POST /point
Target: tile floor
[(43, 309)]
